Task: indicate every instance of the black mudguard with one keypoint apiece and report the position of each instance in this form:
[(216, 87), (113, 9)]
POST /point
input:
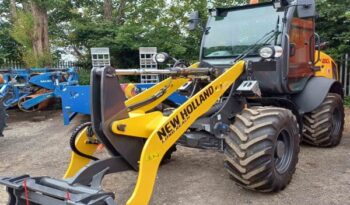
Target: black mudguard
[(315, 92)]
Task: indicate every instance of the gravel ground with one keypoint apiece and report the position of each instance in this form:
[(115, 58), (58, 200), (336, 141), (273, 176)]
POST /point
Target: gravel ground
[(38, 145)]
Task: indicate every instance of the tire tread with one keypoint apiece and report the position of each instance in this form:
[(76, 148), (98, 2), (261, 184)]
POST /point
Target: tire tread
[(250, 144), (317, 124)]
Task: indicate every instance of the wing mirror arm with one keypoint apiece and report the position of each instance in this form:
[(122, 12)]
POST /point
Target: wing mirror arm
[(318, 43), (194, 21)]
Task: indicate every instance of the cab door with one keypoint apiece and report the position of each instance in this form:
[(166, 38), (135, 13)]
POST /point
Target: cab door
[(302, 49)]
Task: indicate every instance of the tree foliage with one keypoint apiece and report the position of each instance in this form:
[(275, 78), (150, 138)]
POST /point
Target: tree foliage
[(126, 25), (333, 25), (22, 32), (9, 48)]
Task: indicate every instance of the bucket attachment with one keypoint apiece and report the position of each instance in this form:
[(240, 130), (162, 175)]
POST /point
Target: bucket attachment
[(43, 190), (108, 105), (84, 188)]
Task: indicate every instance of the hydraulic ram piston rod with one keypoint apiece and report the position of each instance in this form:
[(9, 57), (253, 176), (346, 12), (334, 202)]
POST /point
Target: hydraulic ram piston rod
[(175, 71)]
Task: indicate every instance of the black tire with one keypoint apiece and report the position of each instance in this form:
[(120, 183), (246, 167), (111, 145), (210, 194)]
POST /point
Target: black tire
[(324, 126), (3, 118), (262, 149)]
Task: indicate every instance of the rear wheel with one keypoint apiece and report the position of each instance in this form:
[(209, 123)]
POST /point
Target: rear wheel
[(262, 149), (324, 126)]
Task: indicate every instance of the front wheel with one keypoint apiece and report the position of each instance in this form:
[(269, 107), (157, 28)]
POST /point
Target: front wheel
[(262, 148)]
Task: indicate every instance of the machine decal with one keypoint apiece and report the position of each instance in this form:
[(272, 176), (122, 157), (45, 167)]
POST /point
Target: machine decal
[(326, 61), (178, 120), (153, 156)]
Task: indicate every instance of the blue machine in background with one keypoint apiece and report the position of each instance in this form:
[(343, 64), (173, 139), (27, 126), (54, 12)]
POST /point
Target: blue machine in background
[(75, 100), (54, 83), (29, 87)]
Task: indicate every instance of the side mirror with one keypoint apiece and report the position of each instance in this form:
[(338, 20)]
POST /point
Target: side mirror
[(280, 5), (322, 45), (318, 43), (193, 21), (306, 8)]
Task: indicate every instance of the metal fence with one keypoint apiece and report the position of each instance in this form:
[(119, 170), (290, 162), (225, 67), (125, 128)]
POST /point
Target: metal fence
[(344, 73), (9, 64), (64, 64)]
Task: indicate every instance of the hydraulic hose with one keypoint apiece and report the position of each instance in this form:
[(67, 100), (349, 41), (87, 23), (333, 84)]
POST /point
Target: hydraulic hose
[(74, 137)]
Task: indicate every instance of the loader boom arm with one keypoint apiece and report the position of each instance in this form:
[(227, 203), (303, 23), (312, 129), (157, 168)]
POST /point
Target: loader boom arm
[(171, 128)]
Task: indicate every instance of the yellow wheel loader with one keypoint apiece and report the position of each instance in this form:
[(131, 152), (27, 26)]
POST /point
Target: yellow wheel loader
[(257, 92)]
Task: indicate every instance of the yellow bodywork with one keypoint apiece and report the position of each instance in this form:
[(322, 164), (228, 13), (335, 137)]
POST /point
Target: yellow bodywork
[(130, 90), (77, 162), (161, 132), (328, 68)]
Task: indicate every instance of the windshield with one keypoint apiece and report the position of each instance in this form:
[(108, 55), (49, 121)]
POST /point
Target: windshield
[(231, 33)]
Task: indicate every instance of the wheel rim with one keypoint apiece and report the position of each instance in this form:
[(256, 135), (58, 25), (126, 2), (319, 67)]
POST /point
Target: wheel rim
[(336, 122), (283, 152), (8, 100), (22, 100)]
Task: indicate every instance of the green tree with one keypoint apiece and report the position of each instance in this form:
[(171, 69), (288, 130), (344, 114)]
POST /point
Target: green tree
[(31, 23), (333, 25), (9, 48), (126, 25)]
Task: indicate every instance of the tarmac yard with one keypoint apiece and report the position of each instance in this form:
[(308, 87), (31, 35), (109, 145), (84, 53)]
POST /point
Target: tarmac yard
[(37, 144)]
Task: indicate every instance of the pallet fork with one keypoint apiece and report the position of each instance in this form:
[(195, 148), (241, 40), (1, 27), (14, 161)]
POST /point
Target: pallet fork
[(133, 147)]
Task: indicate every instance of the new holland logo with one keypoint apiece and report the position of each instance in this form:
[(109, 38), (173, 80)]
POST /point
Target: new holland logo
[(178, 120)]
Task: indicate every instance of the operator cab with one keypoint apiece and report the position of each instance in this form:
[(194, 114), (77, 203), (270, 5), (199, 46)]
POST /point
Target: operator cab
[(278, 38), (231, 31)]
